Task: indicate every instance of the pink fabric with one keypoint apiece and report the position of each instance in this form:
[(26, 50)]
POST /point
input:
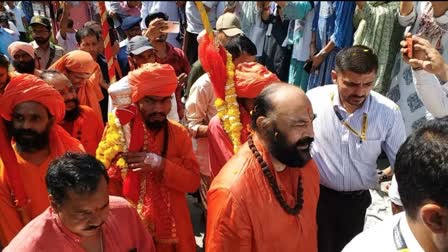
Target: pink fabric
[(220, 148), (122, 231)]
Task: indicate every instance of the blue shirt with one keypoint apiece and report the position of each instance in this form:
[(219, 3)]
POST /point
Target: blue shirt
[(346, 163), (6, 38)]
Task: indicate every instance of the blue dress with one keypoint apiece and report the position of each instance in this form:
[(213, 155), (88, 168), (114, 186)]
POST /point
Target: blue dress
[(333, 20)]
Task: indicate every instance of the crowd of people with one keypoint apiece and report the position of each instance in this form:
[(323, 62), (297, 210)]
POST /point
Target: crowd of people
[(273, 114)]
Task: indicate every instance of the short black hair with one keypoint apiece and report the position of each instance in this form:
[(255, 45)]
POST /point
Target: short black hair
[(69, 23), (421, 167), (239, 44), (155, 15), (358, 59), (85, 32), (4, 61), (77, 172), (263, 105)]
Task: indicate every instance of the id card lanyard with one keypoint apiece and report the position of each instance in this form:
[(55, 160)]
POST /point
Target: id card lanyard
[(363, 134)]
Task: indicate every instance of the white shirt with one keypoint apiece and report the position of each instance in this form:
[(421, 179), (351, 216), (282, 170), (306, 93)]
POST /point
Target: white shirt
[(194, 22), (167, 7), (381, 238), (433, 95), (200, 105), (69, 44), (18, 13), (345, 163)]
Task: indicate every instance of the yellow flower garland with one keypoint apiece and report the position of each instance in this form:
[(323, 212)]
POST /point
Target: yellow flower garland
[(113, 143), (228, 109)]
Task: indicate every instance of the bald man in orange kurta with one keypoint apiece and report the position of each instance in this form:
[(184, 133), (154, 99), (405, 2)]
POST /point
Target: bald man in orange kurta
[(21, 173), (162, 167), (244, 213)]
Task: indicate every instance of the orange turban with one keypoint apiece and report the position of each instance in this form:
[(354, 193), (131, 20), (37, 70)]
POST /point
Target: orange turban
[(152, 79), (82, 62), (251, 78), (27, 87), (76, 61)]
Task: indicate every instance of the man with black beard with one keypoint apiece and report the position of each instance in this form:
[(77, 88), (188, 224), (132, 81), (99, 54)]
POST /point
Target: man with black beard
[(47, 53), (32, 110), (265, 197), (23, 58), (80, 121), (161, 166)]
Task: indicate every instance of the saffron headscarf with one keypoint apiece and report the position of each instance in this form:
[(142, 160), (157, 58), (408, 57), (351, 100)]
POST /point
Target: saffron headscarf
[(14, 47), (152, 79), (24, 88), (27, 87), (251, 78), (82, 62)]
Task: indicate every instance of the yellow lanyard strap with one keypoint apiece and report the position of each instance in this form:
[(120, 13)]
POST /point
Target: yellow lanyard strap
[(363, 135)]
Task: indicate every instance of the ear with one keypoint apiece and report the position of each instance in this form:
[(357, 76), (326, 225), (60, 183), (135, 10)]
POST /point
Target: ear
[(264, 123), (435, 218), (334, 76), (53, 203)]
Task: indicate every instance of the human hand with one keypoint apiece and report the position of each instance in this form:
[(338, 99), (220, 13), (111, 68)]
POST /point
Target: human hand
[(143, 161), (425, 57), (155, 29), (317, 60), (182, 79)]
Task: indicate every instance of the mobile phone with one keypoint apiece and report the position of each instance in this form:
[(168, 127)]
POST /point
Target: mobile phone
[(409, 43), (173, 27), (307, 66)]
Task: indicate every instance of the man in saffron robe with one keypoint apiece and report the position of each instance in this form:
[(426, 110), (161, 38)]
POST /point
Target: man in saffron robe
[(85, 74), (161, 167), (80, 121), (32, 110), (250, 79), (265, 198)]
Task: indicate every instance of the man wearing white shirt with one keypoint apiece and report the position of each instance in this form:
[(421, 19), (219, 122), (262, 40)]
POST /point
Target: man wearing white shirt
[(421, 170), (195, 26), (353, 125), (21, 21)]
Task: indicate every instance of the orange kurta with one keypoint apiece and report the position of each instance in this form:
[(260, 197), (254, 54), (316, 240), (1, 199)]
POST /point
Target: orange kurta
[(33, 180), (244, 215), (87, 128), (180, 175)]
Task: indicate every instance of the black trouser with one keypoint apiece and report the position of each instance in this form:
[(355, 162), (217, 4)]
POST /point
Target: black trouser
[(340, 217)]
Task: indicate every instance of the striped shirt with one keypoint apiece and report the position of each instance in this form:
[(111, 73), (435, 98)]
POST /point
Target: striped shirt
[(345, 162)]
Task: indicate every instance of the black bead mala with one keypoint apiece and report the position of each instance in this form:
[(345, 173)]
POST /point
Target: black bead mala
[(271, 179)]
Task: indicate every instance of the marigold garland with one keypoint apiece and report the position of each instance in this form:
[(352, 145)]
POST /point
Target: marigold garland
[(228, 109), (112, 144)]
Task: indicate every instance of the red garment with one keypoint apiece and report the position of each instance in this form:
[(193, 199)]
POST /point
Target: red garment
[(220, 147), (122, 231), (244, 215), (87, 128), (251, 78), (165, 193), (152, 79)]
